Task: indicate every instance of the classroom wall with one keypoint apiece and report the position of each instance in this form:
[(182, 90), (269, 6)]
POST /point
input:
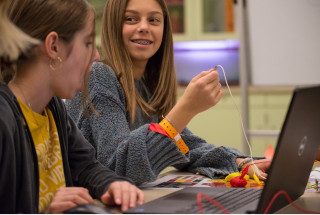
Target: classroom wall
[(221, 125), (284, 41)]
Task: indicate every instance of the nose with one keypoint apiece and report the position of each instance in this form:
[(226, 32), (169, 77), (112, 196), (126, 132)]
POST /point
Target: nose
[(143, 26), (96, 55)]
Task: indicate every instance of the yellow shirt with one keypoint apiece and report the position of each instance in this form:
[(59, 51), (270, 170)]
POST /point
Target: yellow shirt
[(46, 140)]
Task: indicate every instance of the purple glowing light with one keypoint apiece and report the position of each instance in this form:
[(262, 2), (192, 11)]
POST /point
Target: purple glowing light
[(206, 45)]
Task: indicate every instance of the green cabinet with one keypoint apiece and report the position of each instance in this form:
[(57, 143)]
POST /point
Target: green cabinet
[(198, 20), (267, 112)]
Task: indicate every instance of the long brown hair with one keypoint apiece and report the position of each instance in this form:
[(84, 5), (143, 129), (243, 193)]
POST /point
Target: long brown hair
[(159, 77)]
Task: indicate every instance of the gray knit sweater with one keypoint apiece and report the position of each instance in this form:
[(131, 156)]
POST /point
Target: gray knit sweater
[(132, 150)]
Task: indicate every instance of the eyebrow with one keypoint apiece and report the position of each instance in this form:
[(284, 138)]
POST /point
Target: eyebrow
[(92, 34), (152, 12)]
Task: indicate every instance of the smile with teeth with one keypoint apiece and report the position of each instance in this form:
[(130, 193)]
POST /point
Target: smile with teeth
[(142, 42)]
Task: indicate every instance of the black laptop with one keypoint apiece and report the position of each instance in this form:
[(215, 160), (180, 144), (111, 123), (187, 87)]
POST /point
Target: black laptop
[(294, 156)]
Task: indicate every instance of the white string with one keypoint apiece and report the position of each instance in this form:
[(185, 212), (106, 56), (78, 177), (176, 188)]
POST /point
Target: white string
[(242, 126)]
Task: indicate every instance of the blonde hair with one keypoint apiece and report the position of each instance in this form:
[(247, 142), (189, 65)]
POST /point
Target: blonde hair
[(13, 41), (159, 77)]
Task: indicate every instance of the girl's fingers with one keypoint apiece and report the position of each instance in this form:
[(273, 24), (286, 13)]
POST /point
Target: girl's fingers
[(77, 194), (60, 207), (140, 196), (212, 77), (201, 74), (124, 194)]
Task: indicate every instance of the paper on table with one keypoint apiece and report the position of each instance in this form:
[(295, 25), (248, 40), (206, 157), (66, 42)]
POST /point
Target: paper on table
[(176, 182), (314, 176)]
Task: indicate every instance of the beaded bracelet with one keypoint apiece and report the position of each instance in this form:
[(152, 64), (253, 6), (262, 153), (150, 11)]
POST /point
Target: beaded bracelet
[(174, 135), (243, 163)]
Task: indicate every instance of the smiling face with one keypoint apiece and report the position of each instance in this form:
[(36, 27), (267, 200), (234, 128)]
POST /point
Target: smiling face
[(77, 61), (142, 29)]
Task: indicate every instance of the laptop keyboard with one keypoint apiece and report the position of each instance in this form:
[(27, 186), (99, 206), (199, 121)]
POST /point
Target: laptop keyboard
[(231, 199)]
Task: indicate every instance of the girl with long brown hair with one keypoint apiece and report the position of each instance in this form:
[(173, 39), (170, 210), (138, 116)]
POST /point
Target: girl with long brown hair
[(137, 129)]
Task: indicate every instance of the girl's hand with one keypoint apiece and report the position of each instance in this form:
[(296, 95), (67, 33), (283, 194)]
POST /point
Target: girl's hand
[(263, 166), (123, 193), (203, 92), (69, 197)]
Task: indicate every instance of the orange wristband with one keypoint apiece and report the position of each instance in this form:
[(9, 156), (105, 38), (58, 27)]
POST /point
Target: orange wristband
[(174, 135)]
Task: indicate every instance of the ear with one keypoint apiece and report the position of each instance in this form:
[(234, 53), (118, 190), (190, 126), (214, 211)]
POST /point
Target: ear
[(51, 45)]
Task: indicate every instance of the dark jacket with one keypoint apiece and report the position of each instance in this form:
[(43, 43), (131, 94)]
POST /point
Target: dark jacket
[(19, 176)]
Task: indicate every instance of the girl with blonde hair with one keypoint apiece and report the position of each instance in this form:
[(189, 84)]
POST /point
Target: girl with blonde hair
[(13, 42), (45, 162)]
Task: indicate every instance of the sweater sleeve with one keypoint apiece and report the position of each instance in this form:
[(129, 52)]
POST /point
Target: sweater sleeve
[(207, 159), (139, 154)]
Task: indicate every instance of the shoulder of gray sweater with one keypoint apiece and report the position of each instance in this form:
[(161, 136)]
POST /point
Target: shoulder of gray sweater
[(104, 80), (102, 74)]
